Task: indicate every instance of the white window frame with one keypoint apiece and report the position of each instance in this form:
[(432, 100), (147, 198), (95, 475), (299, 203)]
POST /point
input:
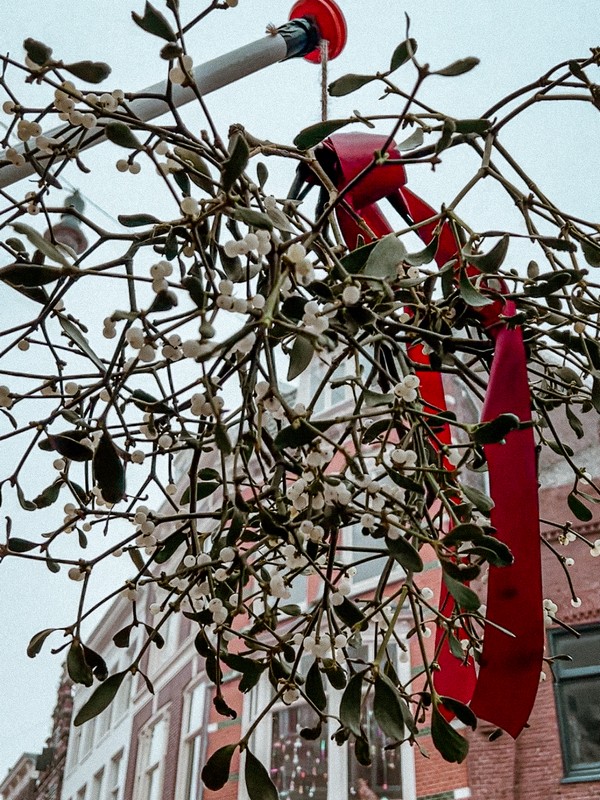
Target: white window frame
[(328, 399), (113, 782), (351, 535), (121, 704), (104, 721), (88, 735), (97, 785), (195, 734), (349, 538), (145, 771), (73, 748), (337, 756)]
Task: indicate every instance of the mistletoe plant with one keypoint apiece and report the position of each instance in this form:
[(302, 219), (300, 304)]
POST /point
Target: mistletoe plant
[(170, 431)]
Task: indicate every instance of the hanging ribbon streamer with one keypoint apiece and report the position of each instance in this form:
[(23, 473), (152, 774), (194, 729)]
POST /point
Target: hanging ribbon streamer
[(511, 660)]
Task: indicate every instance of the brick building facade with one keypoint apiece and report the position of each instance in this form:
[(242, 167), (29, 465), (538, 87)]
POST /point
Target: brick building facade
[(538, 765), (20, 781), (172, 736), (168, 742), (168, 735), (39, 776), (51, 761)]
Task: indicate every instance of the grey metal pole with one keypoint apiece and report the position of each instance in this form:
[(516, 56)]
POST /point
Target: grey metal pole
[(213, 75), (296, 38)]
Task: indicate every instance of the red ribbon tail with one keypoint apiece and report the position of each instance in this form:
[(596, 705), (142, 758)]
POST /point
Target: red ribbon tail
[(511, 660)]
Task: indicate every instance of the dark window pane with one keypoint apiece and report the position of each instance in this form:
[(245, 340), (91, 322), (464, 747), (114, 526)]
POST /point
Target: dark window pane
[(584, 652), (580, 701), (298, 766)]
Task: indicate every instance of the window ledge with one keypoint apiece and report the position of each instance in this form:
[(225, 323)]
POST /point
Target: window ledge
[(588, 777)]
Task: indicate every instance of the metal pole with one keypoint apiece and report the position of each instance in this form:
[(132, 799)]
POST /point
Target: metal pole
[(295, 38), (213, 75)]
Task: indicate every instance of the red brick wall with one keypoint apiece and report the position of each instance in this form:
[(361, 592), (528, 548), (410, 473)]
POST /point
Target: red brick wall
[(433, 774), (228, 732), (172, 694), (531, 768)]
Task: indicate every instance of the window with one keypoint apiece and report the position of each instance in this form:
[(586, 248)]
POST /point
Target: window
[(81, 793), (368, 555), (298, 766), (153, 741), (113, 783), (193, 743), (97, 786), (319, 769), (103, 722), (577, 691), (384, 776), (74, 744), (159, 658), (335, 392), (298, 591), (87, 737), (366, 549), (120, 704)]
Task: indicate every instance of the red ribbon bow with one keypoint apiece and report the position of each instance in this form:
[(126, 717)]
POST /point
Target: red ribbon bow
[(511, 660)]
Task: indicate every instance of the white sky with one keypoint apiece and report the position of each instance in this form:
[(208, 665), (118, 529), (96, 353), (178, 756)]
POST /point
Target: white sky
[(516, 43)]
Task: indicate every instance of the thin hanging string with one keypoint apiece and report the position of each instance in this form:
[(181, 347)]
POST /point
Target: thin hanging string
[(324, 46)]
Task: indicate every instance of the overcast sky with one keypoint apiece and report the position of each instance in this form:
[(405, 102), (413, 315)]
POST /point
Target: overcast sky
[(516, 43)]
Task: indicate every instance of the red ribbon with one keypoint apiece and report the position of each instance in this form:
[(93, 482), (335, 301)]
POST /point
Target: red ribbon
[(511, 660)]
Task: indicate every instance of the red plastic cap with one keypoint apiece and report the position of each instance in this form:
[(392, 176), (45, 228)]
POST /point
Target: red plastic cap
[(328, 17)]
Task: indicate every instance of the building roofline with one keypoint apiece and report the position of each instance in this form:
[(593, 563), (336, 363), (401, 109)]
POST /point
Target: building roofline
[(16, 766)]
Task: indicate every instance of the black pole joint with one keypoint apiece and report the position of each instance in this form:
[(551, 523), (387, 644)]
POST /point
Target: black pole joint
[(301, 36)]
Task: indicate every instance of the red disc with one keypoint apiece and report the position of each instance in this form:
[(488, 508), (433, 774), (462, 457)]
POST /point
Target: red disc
[(328, 17)]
